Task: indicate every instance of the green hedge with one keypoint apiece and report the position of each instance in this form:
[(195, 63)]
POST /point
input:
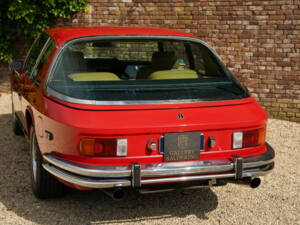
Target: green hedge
[(24, 19)]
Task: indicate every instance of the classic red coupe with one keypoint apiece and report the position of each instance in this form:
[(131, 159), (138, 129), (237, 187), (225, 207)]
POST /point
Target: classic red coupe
[(144, 108)]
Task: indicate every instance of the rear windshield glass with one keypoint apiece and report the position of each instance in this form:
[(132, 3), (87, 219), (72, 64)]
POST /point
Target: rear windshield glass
[(141, 69)]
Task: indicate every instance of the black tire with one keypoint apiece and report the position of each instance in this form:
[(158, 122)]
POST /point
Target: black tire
[(15, 125), (43, 184)]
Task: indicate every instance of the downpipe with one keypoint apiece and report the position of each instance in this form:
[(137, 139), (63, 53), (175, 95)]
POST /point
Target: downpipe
[(115, 193)]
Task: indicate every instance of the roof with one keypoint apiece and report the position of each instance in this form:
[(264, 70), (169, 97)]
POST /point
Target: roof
[(63, 34)]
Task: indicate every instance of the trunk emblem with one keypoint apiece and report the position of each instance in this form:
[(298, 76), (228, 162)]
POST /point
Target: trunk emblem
[(180, 116)]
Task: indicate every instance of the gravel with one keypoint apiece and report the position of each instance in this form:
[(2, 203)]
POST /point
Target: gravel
[(276, 201)]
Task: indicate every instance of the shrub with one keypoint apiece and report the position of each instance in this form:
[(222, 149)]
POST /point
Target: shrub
[(25, 19)]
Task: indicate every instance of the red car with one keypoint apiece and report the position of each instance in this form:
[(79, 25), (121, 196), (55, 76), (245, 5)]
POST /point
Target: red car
[(143, 108)]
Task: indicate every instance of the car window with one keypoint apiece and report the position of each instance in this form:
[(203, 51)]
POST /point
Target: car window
[(50, 47), (129, 50), (204, 62), (164, 69), (34, 54), (181, 53)]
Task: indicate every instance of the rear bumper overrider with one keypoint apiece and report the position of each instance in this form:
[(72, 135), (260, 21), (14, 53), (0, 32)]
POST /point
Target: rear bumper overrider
[(137, 175)]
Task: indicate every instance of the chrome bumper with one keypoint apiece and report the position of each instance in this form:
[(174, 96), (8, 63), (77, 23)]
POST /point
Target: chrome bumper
[(138, 175)]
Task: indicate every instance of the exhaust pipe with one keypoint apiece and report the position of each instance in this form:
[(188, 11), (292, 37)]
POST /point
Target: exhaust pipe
[(253, 182), (115, 194)]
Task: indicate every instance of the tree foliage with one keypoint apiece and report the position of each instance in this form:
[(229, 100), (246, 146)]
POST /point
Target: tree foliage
[(25, 19)]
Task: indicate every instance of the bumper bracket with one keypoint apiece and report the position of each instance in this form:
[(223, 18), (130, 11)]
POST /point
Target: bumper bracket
[(136, 175), (238, 167)]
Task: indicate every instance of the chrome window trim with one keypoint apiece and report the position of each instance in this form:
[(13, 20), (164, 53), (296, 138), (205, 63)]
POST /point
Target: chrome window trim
[(69, 99), (46, 45), (30, 50)]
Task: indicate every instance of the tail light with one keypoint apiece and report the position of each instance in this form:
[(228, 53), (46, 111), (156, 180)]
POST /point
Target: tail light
[(103, 147), (249, 138)]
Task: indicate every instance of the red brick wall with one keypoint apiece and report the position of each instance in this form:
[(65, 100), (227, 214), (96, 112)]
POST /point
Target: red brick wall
[(259, 41)]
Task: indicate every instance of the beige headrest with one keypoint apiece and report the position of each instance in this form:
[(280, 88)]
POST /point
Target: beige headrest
[(163, 60)]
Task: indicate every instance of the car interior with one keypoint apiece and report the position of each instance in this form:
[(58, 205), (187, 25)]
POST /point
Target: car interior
[(79, 64)]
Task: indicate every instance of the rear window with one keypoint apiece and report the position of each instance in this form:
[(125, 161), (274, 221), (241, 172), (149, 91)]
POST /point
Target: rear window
[(141, 70)]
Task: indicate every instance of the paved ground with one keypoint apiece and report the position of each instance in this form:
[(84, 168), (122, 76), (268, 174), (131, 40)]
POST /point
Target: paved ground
[(4, 83), (276, 201)]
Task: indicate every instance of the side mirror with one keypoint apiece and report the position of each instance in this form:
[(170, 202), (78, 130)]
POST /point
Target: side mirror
[(16, 65)]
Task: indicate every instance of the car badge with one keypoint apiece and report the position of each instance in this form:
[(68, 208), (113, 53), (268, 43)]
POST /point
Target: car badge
[(180, 116)]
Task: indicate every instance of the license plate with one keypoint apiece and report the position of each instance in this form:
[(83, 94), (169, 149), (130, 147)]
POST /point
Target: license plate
[(181, 146)]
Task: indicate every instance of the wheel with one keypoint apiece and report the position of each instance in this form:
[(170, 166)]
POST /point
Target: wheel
[(15, 125), (43, 184)]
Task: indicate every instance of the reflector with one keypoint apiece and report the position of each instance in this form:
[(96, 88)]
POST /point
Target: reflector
[(121, 147), (86, 146), (237, 140)]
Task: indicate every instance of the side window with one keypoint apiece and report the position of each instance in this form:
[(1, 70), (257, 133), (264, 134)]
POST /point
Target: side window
[(34, 54), (43, 59)]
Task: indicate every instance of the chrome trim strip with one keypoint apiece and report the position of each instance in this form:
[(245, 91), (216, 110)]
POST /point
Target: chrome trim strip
[(66, 98), (92, 171), (37, 61), (86, 182), (30, 50)]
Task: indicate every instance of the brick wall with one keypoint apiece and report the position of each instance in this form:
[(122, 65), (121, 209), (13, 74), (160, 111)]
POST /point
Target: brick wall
[(259, 41)]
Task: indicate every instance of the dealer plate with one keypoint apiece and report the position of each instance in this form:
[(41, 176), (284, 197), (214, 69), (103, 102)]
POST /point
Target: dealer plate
[(182, 146)]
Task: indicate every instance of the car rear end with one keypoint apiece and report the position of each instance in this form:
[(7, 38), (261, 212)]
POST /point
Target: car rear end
[(153, 113)]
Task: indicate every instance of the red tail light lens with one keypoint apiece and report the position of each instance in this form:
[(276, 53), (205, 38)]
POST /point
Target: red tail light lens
[(103, 147), (248, 138), (106, 148)]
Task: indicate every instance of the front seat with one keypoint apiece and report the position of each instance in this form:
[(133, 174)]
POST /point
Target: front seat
[(159, 61), (74, 62), (71, 62)]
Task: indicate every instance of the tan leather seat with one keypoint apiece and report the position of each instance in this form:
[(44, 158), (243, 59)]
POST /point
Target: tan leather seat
[(173, 74), (94, 76), (159, 61)]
